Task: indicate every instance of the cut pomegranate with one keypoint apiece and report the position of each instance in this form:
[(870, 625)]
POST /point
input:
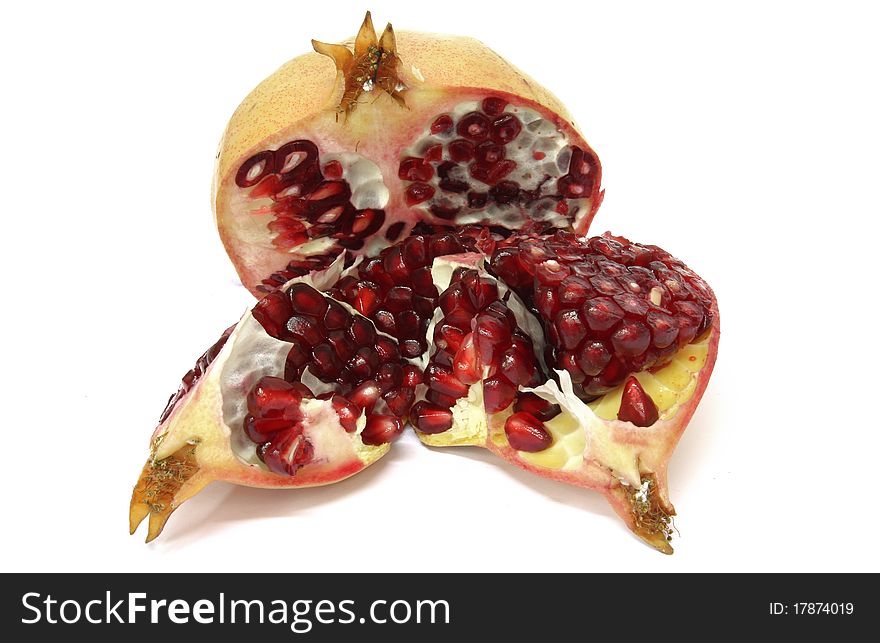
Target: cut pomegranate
[(418, 255), (298, 181)]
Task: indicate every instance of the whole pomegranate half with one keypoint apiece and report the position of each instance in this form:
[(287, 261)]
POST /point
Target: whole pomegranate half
[(349, 147)]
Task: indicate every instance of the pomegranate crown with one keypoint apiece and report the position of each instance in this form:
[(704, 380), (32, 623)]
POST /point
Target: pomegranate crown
[(373, 65)]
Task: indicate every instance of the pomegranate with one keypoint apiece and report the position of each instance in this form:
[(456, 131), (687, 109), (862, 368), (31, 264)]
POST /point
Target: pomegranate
[(414, 222), (348, 148), (302, 391)]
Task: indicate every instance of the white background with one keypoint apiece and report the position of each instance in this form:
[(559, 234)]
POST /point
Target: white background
[(744, 139)]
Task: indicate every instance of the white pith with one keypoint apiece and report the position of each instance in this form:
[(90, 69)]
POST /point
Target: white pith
[(538, 135)]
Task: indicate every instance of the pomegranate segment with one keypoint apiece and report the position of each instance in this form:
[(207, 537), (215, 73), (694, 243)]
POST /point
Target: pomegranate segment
[(499, 164), (610, 307)]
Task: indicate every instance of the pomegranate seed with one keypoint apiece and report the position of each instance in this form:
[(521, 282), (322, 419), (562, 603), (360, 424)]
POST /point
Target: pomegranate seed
[(286, 453), (441, 379), (433, 153), (342, 344), (474, 126), (307, 300), (423, 283), (412, 376), (366, 395), (412, 348), (489, 153), (631, 338), (570, 328), (551, 272), (505, 128), (442, 124), (396, 229), (447, 336), (305, 329), (526, 433), (498, 394), (336, 316), (516, 367), (504, 192), (491, 173), (601, 313), (415, 169), (414, 252), (364, 363), (538, 156), (389, 376), (477, 200), (347, 411), (261, 430), (398, 299), (593, 357), (394, 266), (418, 193), (489, 334), (445, 244), (255, 169), (385, 322), (430, 418), (273, 311), (381, 429), (461, 151), (536, 406), (636, 406), (663, 328), (362, 332), (325, 364), (366, 298), (494, 106), (574, 290), (466, 365), (387, 349), (399, 400), (439, 399)]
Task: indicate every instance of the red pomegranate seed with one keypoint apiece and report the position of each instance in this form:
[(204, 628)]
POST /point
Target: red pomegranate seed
[(498, 394), (488, 152), (433, 153), (398, 299), (333, 170), (414, 252), (389, 376), (538, 156), (286, 453), (441, 124), (305, 329), (631, 338), (366, 298), (441, 379), (418, 193), (272, 397), (273, 311), (466, 365), (431, 418), (636, 406), (664, 330), (574, 291), (261, 430), (385, 322), (601, 313), (412, 348), (307, 300), (494, 106), (516, 367), (439, 399), (491, 173), (490, 334), (363, 363), (461, 151), (399, 400), (536, 406), (526, 433), (593, 357), (474, 126), (381, 429), (505, 128), (412, 376), (336, 316), (394, 266), (387, 349), (366, 395), (361, 331), (448, 336), (347, 411), (342, 344), (297, 357), (570, 328), (325, 364), (415, 169)]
